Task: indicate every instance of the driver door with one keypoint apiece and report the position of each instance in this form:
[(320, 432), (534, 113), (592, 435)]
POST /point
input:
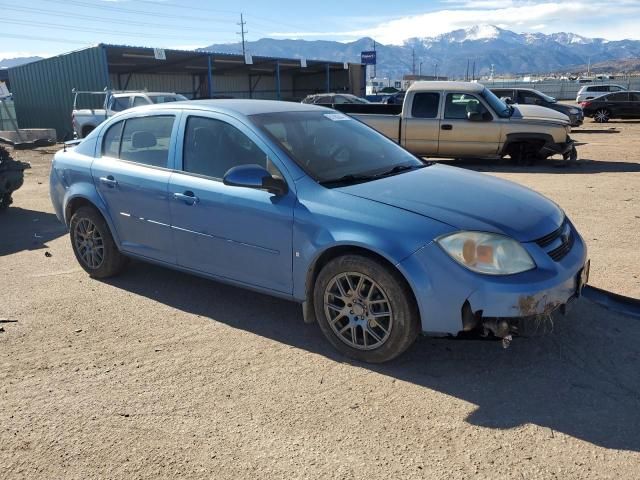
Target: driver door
[(237, 233), (461, 137)]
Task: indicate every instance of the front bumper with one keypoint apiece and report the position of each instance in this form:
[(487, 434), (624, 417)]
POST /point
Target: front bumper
[(549, 149), (444, 289), (576, 119)]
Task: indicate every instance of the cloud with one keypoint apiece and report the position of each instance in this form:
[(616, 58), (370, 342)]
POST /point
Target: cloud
[(507, 13)]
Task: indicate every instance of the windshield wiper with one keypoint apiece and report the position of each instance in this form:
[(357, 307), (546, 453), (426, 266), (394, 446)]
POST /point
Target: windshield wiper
[(397, 169), (347, 180)]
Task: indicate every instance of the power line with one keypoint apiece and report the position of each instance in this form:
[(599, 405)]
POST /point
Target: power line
[(241, 33)]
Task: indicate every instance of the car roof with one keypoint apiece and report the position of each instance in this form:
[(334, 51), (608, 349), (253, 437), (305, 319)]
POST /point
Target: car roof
[(603, 85), (430, 86), (237, 106)]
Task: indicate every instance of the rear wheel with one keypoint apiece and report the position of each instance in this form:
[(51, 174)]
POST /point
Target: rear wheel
[(93, 244), (602, 115), (365, 309)]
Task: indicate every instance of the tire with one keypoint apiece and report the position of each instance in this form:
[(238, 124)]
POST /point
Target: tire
[(93, 244), (375, 340), (602, 115), (5, 201), (524, 153)]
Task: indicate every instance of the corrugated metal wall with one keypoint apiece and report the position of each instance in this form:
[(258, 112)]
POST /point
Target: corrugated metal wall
[(42, 90), (166, 82)]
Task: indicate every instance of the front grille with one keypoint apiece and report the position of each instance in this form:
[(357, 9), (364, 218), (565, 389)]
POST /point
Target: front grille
[(559, 242)]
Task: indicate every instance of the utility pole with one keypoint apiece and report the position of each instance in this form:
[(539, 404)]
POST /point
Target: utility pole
[(413, 61), (466, 75), (474, 71), (375, 64), (242, 33), (420, 69), (435, 71)]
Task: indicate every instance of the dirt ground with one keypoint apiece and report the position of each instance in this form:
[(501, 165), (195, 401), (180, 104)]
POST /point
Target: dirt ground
[(157, 374)]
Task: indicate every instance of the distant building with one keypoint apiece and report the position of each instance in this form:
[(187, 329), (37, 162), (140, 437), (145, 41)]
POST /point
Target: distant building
[(42, 90)]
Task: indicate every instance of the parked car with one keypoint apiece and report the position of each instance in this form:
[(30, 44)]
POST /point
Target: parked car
[(333, 99), (465, 119), (379, 98), (529, 96), (613, 105), (596, 90), (395, 98), (308, 204), (85, 120)]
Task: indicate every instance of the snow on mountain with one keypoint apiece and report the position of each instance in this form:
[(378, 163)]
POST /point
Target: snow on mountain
[(484, 45)]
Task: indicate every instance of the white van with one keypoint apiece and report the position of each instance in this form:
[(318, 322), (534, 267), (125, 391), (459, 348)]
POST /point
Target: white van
[(593, 91)]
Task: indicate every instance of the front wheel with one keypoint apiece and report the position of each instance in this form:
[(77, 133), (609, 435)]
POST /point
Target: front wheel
[(365, 309), (602, 115), (93, 244)]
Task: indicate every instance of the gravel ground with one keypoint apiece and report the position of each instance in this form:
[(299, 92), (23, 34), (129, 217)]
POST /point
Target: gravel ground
[(159, 374)]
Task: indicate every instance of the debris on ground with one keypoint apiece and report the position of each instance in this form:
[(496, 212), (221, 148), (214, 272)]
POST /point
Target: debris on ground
[(48, 254)]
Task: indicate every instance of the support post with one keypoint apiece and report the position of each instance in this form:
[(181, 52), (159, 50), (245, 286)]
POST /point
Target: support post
[(278, 80), (328, 80), (209, 77)]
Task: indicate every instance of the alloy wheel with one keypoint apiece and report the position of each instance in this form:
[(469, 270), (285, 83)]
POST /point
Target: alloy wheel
[(89, 243), (601, 116), (358, 311)]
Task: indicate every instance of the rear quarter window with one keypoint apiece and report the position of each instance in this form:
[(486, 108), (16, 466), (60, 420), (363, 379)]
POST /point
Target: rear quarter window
[(425, 105)]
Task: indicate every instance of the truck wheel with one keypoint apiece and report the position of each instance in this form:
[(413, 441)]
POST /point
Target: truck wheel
[(602, 115), (365, 309), (524, 153), (93, 244), (5, 201)]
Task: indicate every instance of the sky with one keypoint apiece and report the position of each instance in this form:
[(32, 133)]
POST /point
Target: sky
[(50, 27)]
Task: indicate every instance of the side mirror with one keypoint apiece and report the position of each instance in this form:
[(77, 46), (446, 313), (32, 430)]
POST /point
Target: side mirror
[(475, 116), (255, 176)]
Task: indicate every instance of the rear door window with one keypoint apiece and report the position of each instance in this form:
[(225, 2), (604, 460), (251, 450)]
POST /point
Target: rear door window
[(425, 105), (146, 140), (139, 101), (618, 97)]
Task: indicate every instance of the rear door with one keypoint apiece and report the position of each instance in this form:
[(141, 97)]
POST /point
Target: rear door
[(421, 129), (618, 104), (460, 137), (132, 177), (634, 105), (238, 233)]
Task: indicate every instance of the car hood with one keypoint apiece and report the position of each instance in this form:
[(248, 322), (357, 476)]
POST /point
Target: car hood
[(538, 113), (466, 200)]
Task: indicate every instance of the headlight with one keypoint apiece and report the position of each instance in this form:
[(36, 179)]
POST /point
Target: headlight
[(487, 252), (574, 111)]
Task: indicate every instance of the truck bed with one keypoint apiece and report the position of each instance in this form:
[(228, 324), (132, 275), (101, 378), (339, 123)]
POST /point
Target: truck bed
[(386, 119)]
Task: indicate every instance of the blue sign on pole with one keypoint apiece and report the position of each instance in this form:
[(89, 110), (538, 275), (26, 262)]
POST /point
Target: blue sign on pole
[(368, 58)]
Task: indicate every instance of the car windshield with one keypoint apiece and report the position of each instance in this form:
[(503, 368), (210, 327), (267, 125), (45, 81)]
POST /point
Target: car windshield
[(498, 106), (334, 148), (167, 98)]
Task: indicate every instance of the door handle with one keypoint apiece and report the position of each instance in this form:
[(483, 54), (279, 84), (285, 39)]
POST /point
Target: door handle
[(187, 197), (109, 181), (447, 126)]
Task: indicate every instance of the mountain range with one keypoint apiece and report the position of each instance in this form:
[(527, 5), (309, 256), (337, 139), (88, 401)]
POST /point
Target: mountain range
[(14, 62), (447, 54)]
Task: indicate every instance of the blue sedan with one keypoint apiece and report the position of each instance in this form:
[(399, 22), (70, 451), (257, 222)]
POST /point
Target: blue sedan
[(308, 204)]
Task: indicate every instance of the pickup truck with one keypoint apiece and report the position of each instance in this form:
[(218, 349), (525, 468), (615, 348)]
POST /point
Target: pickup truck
[(85, 120), (466, 120)]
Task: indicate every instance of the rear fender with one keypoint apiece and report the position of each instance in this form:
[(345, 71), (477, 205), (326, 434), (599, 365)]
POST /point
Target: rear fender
[(86, 191)]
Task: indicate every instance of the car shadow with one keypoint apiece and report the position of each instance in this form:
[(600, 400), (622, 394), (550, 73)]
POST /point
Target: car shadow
[(581, 380), (552, 165), (23, 229)]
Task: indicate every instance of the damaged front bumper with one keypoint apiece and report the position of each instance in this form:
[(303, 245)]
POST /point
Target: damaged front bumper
[(566, 149), (453, 299)]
